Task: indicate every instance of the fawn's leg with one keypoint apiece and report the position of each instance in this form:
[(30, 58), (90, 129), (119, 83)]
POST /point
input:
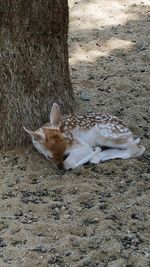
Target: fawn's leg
[(79, 155), (110, 154), (132, 150)]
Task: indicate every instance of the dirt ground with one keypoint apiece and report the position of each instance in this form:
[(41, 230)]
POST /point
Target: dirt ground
[(95, 215)]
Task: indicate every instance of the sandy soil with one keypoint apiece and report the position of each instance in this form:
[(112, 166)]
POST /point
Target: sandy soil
[(95, 215)]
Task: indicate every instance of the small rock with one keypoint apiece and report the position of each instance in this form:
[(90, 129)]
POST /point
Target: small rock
[(102, 206), (96, 220), (142, 48), (40, 249), (79, 209), (84, 97), (127, 240), (135, 216), (91, 77), (57, 210), (67, 253), (91, 221), (66, 216), (2, 243)]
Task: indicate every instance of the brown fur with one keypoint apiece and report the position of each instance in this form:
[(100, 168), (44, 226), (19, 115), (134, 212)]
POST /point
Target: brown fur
[(56, 143)]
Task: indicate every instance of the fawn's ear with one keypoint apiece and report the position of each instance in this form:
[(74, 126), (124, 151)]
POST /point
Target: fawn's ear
[(55, 115), (40, 137)]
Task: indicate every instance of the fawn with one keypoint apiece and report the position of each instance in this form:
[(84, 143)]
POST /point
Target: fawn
[(80, 138)]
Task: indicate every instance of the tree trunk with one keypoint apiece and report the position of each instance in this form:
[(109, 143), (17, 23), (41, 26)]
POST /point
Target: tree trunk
[(34, 65)]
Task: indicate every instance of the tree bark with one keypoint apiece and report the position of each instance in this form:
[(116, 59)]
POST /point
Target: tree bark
[(34, 65)]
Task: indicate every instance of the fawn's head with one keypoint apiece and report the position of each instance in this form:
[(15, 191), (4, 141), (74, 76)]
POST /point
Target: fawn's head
[(56, 144), (49, 140)]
